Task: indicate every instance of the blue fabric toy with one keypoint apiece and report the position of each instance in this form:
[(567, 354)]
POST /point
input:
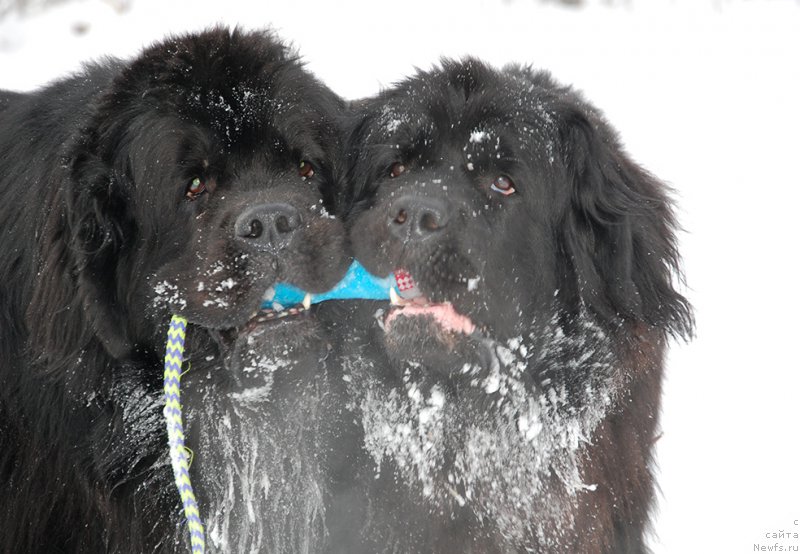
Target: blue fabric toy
[(357, 283)]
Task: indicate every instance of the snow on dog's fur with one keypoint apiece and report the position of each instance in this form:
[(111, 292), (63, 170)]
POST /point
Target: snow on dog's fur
[(510, 403), (187, 180)]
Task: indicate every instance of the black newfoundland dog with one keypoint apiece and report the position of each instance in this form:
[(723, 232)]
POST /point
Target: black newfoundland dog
[(185, 181), (508, 400)]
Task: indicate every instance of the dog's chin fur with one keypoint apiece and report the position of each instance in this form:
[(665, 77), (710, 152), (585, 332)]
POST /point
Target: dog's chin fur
[(105, 241), (422, 340), (286, 338), (486, 451)]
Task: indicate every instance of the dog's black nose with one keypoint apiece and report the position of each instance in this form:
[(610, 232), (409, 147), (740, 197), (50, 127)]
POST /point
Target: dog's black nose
[(268, 226), (416, 218)]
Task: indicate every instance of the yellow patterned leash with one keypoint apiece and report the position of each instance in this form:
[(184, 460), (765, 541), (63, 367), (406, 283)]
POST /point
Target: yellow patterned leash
[(176, 337)]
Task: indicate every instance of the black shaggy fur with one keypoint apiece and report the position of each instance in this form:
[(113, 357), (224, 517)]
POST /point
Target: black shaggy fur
[(106, 231), (534, 432)]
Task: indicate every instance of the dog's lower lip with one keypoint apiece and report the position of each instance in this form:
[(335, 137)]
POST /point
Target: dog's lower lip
[(444, 314), (264, 316), (267, 315)]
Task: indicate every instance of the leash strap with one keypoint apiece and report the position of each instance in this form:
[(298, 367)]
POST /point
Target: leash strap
[(176, 337)]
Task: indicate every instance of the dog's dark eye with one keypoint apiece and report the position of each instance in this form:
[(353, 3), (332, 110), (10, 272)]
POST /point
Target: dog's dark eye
[(397, 169), (504, 185), (306, 170), (195, 189)]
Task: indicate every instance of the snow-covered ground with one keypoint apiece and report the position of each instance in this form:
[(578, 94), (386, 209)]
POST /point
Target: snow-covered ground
[(705, 94)]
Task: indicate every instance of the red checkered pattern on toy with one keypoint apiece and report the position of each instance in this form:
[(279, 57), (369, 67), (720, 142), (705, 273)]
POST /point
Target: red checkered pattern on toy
[(404, 280)]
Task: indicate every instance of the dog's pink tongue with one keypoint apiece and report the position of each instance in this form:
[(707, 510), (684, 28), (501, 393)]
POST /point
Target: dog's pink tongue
[(406, 286)]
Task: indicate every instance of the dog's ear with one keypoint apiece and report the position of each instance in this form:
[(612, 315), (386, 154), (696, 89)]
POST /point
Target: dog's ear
[(619, 229), (80, 255), (101, 228)]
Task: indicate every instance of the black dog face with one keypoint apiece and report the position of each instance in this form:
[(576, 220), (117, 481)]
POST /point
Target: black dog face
[(543, 261), (208, 164), (503, 194), (453, 188)]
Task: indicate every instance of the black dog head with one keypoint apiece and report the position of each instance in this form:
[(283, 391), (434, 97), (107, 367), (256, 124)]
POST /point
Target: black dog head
[(200, 179), (504, 194)]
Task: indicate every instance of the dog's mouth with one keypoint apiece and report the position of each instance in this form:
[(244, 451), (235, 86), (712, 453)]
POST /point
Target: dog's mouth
[(408, 301), (273, 314), (271, 333)]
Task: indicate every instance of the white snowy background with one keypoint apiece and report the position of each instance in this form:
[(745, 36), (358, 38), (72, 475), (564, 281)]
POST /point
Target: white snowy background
[(705, 95)]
